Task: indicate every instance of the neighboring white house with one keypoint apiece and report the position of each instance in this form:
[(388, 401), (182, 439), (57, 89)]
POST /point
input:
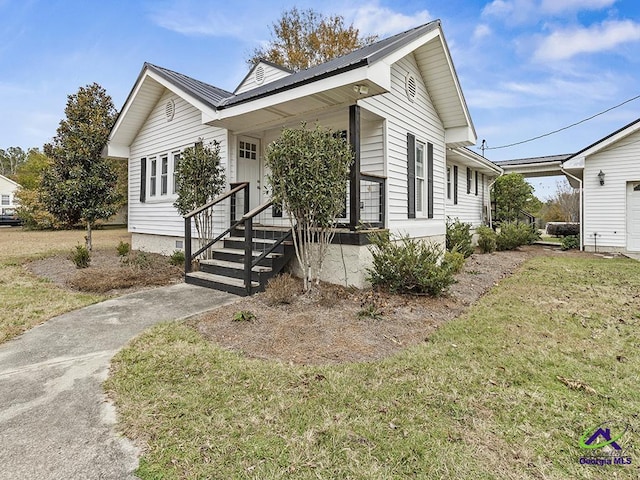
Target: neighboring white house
[(398, 102), (609, 173), (8, 189)]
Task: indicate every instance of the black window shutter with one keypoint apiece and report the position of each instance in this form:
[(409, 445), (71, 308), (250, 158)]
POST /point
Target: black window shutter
[(468, 180), (455, 184), (143, 180), (411, 175), (430, 180), (476, 182)]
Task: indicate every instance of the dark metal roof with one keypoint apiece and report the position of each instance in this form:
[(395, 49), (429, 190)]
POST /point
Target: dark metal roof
[(363, 56), (533, 160), (218, 98), (204, 92), (604, 138)]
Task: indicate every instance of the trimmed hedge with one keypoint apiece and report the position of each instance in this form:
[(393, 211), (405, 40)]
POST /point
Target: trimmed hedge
[(563, 229)]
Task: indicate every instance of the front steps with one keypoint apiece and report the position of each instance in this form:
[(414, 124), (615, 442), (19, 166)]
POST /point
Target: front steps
[(226, 270)]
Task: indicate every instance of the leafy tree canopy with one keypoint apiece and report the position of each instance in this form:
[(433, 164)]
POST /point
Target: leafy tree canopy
[(10, 161), (512, 194), (80, 186), (304, 38)]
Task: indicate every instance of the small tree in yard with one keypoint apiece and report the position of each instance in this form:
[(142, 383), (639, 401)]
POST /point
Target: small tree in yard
[(200, 179), (80, 186), (512, 193), (309, 174)]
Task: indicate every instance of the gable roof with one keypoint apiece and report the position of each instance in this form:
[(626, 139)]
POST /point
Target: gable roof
[(610, 139), (302, 91), (361, 57), (262, 61)]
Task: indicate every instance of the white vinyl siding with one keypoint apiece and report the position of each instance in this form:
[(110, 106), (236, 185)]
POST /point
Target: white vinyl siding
[(470, 207), (420, 119), (157, 138), (605, 211), (270, 74)]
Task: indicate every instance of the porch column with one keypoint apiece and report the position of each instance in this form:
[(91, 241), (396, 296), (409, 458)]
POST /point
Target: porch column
[(354, 175)]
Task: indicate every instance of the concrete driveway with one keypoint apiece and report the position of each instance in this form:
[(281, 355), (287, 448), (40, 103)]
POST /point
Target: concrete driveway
[(55, 421)]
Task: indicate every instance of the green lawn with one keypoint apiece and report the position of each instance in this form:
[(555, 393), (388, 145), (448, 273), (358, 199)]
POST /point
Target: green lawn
[(27, 300), (503, 392)]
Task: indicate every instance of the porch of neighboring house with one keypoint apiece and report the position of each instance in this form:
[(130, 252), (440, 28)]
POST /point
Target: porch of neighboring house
[(252, 239)]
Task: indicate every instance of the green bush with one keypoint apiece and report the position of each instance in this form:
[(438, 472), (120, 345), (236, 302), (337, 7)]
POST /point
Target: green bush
[(81, 257), (177, 258), (408, 266), (486, 239), (123, 249), (570, 242), (514, 234), (459, 235), (454, 261)]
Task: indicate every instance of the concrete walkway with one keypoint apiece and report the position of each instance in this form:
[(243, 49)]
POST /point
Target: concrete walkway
[(55, 422)]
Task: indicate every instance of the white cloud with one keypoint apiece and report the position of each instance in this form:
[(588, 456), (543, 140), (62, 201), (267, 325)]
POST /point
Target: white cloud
[(565, 44), (193, 20), (522, 11), (481, 31), (560, 6), (373, 19)]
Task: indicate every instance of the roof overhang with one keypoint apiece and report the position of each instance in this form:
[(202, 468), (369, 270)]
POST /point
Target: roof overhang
[(471, 159), (144, 96), (303, 100)]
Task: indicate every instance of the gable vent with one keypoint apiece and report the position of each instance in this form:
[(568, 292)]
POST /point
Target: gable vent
[(259, 75), (411, 86), (170, 110)]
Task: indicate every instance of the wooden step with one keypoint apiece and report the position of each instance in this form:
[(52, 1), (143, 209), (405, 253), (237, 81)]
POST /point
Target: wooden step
[(219, 282)]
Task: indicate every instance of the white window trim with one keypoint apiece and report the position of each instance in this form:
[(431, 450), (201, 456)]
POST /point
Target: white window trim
[(420, 207)]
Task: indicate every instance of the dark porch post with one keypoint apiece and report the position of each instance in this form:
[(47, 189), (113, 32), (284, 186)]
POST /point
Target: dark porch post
[(354, 175)]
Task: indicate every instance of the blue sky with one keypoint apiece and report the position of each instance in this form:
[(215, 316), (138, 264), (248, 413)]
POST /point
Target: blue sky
[(526, 67)]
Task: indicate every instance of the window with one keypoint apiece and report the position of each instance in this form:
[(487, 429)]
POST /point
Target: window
[(476, 183), (176, 162), (449, 183), (419, 177), (468, 180), (247, 150), (164, 175), (6, 200), (152, 177)]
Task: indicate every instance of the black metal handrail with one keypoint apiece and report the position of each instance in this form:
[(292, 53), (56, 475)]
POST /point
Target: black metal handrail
[(235, 188)]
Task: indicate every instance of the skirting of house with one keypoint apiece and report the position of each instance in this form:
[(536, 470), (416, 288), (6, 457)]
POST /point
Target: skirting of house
[(162, 244), (347, 264)]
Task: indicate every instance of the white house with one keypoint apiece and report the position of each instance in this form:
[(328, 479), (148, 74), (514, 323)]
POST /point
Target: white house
[(8, 189), (609, 173), (398, 102)]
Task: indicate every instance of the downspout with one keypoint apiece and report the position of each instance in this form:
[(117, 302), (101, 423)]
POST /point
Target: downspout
[(489, 198), (581, 206)]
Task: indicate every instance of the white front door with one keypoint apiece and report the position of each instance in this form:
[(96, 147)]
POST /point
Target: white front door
[(633, 216), (249, 167)]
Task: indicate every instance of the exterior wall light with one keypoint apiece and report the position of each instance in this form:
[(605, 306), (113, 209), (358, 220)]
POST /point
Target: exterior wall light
[(601, 177), (361, 89)]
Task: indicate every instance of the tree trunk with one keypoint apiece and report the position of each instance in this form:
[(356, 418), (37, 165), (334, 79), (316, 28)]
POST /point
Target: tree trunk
[(87, 238)]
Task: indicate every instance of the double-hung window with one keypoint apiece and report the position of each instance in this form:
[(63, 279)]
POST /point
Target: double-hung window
[(164, 175), (176, 163), (153, 176)]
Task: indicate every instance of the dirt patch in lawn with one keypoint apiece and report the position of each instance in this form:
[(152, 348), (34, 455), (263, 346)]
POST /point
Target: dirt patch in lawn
[(338, 324), (107, 273)]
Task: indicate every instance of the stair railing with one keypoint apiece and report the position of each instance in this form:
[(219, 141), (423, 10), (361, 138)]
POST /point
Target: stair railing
[(189, 257)]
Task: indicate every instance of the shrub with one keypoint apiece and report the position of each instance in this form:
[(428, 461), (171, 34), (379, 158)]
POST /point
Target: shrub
[(177, 258), (570, 242), (454, 261), (81, 257), (244, 316), (370, 311), (459, 235), (282, 289), (408, 266), (138, 259), (562, 229), (123, 249), (486, 239), (514, 234)]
